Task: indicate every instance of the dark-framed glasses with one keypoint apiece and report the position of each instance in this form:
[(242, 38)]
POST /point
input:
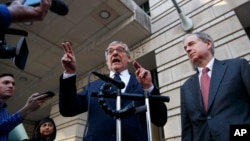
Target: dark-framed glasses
[(110, 51)]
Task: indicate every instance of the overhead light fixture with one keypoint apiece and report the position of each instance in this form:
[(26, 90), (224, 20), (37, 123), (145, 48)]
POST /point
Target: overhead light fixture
[(186, 23), (104, 14)]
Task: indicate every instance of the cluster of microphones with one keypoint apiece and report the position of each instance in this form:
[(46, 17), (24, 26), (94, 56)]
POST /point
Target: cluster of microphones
[(19, 53)]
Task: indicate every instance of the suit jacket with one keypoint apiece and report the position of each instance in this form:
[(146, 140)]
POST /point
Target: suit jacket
[(101, 126), (229, 102)]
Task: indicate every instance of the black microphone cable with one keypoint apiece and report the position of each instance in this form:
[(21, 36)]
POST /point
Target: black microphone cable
[(89, 96), (125, 112)]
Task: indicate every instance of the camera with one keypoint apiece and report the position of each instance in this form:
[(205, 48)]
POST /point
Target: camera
[(18, 53)]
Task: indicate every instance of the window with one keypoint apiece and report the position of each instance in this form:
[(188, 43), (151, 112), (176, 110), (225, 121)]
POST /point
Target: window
[(145, 7), (144, 4)]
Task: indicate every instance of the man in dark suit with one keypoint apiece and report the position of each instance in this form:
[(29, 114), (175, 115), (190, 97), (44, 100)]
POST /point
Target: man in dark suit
[(228, 99), (101, 126)]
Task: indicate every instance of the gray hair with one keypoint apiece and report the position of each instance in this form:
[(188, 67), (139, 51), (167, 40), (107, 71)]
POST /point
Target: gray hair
[(204, 37), (125, 46)]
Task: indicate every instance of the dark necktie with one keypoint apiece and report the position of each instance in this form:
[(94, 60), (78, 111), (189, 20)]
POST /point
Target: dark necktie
[(117, 76), (205, 83)]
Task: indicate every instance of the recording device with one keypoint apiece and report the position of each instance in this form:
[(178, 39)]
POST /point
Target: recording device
[(48, 93), (19, 52), (117, 83), (57, 6)]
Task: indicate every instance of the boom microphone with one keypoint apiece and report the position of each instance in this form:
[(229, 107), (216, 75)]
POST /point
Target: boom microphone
[(117, 83), (59, 7)]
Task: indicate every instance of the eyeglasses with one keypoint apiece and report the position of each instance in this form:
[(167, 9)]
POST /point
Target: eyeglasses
[(110, 51)]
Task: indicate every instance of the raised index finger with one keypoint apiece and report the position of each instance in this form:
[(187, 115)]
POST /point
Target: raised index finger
[(136, 65)]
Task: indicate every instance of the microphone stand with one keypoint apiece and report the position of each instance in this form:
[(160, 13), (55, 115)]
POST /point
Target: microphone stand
[(148, 117), (131, 109), (120, 113), (118, 120)]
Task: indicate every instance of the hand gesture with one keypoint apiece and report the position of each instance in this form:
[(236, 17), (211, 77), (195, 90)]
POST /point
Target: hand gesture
[(68, 60), (143, 76)]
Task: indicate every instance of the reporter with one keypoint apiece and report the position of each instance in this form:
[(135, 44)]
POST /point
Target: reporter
[(10, 121)]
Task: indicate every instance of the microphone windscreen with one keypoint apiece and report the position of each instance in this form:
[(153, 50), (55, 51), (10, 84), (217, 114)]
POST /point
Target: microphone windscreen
[(117, 83), (59, 7)]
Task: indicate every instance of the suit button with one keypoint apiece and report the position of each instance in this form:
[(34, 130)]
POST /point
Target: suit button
[(209, 117)]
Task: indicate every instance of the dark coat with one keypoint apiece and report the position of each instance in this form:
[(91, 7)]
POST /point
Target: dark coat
[(101, 126), (229, 102)]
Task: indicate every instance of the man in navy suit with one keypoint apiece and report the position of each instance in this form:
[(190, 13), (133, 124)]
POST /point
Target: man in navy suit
[(101, 126), (228, 99)]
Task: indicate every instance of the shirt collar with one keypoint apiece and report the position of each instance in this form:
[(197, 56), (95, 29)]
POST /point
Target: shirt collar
[(209, 65), (3, 105), (123, 73)]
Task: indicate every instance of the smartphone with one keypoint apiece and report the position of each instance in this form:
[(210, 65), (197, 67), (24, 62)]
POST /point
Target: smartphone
[(31, 2), (49, 93)]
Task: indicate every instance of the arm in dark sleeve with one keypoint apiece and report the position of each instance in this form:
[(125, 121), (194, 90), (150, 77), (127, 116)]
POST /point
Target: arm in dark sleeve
[(5, 17), (158, 111), (186, 130), (70, 103)]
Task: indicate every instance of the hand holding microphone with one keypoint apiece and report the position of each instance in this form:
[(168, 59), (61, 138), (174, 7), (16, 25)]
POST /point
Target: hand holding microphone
[(59, 7)]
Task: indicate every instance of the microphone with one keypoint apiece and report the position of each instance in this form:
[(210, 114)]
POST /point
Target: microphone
[(117, 83), (59, 7)]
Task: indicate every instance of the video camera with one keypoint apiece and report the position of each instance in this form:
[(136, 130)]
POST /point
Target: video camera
[(18, 53)]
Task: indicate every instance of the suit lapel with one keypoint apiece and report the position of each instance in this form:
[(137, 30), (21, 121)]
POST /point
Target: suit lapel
[(218, 72), (131, 84), (194, 86), (131, 88)]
